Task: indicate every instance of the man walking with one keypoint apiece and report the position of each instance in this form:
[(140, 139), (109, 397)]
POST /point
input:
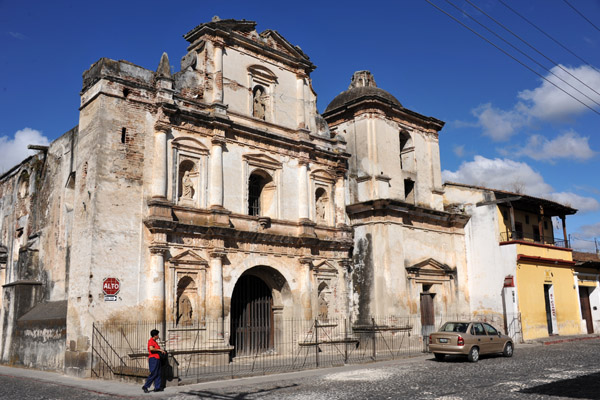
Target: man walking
[(154, 363)]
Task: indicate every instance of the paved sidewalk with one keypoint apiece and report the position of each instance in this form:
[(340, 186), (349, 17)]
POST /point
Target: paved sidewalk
[(133, 390), (562, 339)]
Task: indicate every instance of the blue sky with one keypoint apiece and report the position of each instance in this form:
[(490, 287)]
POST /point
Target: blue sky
[(505, 126)]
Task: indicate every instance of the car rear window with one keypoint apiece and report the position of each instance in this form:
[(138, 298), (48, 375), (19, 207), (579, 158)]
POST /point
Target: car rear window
[(454, 327)]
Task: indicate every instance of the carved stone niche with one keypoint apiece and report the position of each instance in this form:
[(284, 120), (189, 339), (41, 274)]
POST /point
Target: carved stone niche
[(323, 207), (189, 177), (187, 289), (262, 83), (326, 277)]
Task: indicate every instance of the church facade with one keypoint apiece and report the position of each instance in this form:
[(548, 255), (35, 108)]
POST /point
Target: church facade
[(219, 193)]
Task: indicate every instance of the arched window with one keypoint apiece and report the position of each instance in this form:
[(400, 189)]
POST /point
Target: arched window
[(409, 191), (23, 185), (407, 151), (259, 195)]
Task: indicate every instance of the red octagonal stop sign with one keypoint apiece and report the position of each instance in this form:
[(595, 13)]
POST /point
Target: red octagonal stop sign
[(111, 286)]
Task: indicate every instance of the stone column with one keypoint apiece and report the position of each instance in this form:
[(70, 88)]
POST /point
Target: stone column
[(159, 166), (309, 313), (340, 199), (155, 286), (216, 306), (218, 81), (300, 112), (303, 197), (216, 172)]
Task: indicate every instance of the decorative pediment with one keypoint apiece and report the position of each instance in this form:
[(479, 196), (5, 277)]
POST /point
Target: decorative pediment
[(430, 267), (188, 257), (277, 42), (262, 160), (322, 175), (262, 72), (190, 144), (325, 267)]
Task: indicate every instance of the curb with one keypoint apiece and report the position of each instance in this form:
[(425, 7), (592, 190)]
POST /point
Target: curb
[(549, 342)]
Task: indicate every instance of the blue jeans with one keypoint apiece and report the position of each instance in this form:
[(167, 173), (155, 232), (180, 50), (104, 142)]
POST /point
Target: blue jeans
[(154, 365)]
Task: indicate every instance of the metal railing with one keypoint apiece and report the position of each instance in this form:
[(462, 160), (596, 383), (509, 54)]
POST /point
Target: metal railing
[(202, 352), (533, 238)]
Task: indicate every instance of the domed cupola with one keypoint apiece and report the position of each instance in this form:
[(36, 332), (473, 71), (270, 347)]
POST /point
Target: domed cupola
[(362, 87)]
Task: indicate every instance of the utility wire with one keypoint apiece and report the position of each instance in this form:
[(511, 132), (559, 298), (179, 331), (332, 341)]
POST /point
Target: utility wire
[(520, 51), (536, 50), (513, 57), (582, 16), (546, 34)]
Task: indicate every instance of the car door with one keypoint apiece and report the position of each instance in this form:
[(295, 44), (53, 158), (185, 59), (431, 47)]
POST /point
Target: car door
[(495, 340), (480, 337)]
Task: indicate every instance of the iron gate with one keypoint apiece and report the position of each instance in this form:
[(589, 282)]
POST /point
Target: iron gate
[(251, 317)]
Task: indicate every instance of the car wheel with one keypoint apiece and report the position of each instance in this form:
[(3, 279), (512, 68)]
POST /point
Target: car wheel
[(508, 350), (473, 354), (439, 356)]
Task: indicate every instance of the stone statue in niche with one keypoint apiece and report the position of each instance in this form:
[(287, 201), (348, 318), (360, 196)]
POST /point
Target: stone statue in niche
[(321, 206), (184, 317), (260, 103), (323, 306), (187, 186)]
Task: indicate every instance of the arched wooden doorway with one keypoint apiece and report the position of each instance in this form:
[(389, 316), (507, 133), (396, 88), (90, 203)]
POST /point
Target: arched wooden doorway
[(251, 316)]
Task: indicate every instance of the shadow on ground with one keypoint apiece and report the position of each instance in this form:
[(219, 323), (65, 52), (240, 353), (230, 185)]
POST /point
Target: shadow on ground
[(582, 387), (204, 394)]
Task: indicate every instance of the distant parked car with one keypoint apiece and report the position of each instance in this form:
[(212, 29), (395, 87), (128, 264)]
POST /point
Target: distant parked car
[(469, 339)]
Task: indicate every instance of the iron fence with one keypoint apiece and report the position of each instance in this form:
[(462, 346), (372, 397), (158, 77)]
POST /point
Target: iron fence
[(204, 351)]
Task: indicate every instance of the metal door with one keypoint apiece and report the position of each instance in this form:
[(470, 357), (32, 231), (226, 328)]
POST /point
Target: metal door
[(251, 316)]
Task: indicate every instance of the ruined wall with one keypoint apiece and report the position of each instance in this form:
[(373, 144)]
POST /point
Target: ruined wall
[(384, 249), (35, 226)]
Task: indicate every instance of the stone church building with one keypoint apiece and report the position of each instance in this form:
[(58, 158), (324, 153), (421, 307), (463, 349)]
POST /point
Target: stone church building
[(219, 193)]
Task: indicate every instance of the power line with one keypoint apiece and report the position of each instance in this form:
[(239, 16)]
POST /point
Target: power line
[(546, 34), (582, 16), (514, 58), (520, 51), (537, 51)]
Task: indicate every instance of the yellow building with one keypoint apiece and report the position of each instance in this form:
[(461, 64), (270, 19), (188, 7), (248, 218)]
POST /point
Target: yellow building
[(548, 298), (519, 274)]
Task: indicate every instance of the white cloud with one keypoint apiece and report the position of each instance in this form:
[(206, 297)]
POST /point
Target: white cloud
[(498, 124), (17, 35), (582, 204), (589, 231), (569, 145), (544, 103), (547, 102), (459, 151), (515, 176), (13, 151)]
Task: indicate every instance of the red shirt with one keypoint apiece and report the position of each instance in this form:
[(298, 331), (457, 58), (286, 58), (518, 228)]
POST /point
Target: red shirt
[(153, 343)]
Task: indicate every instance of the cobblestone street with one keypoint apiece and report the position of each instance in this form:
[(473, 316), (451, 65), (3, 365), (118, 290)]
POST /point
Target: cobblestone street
[(559, 371), (566, 370)]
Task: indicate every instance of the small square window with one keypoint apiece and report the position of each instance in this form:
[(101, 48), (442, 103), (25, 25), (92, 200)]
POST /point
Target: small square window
[(527, 219)]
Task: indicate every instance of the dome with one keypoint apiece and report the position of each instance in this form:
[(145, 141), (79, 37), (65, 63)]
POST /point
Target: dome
[(362, 85)]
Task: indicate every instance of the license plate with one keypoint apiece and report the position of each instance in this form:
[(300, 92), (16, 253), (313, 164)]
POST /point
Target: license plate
[(443, 340)]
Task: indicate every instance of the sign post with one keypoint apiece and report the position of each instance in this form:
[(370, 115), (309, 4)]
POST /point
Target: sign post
[(110, 287)]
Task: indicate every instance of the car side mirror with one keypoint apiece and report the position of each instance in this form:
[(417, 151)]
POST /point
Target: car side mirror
[(499, 333)]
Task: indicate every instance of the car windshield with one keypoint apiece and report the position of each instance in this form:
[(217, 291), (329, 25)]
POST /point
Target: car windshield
[(454, 327)]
